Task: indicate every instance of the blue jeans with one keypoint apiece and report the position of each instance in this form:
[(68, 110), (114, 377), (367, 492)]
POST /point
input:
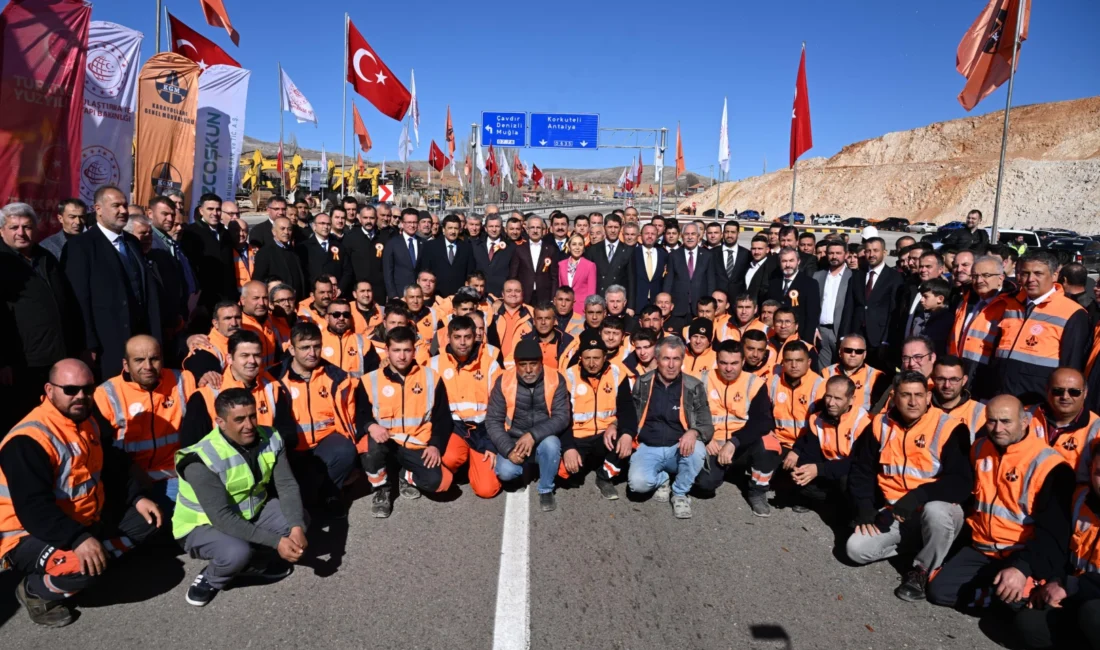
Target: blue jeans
[(163, 493), (650, 468), (547, 455)]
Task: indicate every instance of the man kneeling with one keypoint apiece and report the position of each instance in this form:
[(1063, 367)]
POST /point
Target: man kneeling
[(223, 510)]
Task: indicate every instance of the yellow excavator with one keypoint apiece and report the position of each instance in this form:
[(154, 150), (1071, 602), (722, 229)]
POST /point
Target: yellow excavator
[(260, 177), (363, 181)]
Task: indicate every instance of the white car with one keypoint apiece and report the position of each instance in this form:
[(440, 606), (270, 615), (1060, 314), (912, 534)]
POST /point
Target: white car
[(827, 220), (922, 227)]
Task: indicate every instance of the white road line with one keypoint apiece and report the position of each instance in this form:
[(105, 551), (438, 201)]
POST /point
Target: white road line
[(512, 627)]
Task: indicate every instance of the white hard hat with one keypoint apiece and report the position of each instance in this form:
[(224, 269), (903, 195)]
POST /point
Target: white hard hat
[(869, 232)]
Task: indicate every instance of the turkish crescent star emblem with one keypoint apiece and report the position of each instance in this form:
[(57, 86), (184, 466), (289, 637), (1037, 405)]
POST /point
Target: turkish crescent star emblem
[(185, 43), (359, 54)]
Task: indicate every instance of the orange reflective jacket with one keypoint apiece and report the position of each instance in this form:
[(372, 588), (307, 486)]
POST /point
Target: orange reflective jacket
[(863, 377), (836, 440), (729, 402), (403, 406), (1084, 542), (1076, 445), (910, 458), (791, 405), (593, 401), (1035, 339), (323, 405), (979, 341), (468, 385), (509, 382), (265, 391), (345, 352)]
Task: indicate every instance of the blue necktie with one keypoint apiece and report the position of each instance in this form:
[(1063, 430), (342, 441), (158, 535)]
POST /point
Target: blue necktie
[(412, 251)]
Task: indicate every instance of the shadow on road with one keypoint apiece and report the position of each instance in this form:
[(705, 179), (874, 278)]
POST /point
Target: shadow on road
[(769, 632)]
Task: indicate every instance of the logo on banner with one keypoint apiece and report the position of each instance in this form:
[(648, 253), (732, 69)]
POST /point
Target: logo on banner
[(106, 70), (57, 46), (98, 167), (170, 89), (53, 162), (166, 177)]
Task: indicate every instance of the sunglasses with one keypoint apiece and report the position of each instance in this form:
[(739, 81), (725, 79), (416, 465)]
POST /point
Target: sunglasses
[(340, 314), (1060, 392), (853, 351), (73, 391)]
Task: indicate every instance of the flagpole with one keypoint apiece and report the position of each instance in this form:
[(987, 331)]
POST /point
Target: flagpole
[(159, 6), (794, 184), (282, 183), (1004, 133), (344, 113)]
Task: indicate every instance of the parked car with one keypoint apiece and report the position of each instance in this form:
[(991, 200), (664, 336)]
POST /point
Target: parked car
[(828, 220), (1049, 235), (855, 222), (749, 215), (1094, 237), (1084, 251), (951, 225), (1009, 236), (893, 223), (922, 226), (798, 217), (711, 213)]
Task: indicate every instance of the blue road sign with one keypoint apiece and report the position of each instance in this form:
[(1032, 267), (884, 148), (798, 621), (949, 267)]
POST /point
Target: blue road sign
[(565, 130), (504, 129)]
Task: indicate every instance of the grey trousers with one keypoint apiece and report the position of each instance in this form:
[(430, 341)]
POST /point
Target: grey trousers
[(935, 527), (826, 349), (228, 555)]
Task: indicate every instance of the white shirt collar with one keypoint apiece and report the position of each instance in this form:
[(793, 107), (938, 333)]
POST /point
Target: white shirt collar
[(1041, 298), (109, 234), (878, 269), (791, 279), (320, 239)]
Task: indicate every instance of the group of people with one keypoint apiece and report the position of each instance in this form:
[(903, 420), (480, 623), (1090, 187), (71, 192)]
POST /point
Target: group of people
[(232, 384)]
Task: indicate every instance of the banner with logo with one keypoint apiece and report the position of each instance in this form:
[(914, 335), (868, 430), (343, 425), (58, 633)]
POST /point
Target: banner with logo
[(219, 131), (110, 95), (168, 99), (44, 45)]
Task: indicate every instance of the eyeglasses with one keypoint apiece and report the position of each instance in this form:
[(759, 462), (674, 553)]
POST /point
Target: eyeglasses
[(73, 391), (919, 358), (948, 380), (1060, 392), (340, 314), (853, 351)]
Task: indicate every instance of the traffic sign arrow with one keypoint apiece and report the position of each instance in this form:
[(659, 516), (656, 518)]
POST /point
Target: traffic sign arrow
[(385, 193), (489, 128), (584, 143), (542, 142)]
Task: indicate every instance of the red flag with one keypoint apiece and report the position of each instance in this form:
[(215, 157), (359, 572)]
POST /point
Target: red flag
[(651, 190), (561, 183), (373, 80), (985, 53), (193, 45), (586, 187), (436, 158), (44, 45), (359, 163), (802, 139), (679, 153), (279, 159), (638, 171), (360, 129), (491, 165), (536, 175), (217, 16), (450, 134)]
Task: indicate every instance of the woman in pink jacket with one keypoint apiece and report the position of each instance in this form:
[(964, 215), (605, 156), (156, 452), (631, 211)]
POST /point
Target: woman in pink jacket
[(578, 273)]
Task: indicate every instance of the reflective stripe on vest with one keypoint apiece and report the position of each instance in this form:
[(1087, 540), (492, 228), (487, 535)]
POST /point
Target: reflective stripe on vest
[(895, 477), (509, 383), (1084, 543), (1017, 518), (578, 387), (404, 423), (834, 452)]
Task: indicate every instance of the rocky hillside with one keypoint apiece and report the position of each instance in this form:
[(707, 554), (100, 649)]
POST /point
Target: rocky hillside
[(939, 172)]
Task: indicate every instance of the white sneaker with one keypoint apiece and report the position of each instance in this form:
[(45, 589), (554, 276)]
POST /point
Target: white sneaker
[(660, 495)]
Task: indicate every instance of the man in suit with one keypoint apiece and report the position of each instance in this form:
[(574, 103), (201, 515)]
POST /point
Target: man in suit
[(762, 266), (788, 238), (279, 259), (260, 234), (832, 281), (493, 256), (401, 255), (691, 273), (72, 215), (449, 258), (871, 307), (733, 262), (178, 289), (650, 261), (209, 250), (112, 282), (798, 291), (362, 253), (613, 259), (535, 264), (319, 253)]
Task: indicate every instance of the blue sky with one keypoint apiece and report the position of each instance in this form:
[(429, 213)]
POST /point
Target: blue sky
[(873, 66)]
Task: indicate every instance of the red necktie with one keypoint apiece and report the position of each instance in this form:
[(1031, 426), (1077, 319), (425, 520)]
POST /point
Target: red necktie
[(691, 264), (870, 283)]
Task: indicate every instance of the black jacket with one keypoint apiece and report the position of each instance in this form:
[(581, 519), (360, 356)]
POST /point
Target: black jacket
[(211, 257), (197, 423), (363, 261), (620, 270), (873, 317), (274, 261), (39, 323), (449, 276), (808, 297), (962, 239), (316, 260)]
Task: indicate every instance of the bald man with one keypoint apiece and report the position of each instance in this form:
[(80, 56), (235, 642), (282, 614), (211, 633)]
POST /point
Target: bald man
[(278, 260), (1064, 421), (1020, 518), (57, 481)]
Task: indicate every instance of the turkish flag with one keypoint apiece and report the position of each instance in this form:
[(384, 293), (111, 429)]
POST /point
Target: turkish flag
[(679, 153), (360, 129), (450, 135), (586, 187), (193, 45), (373, 80), (217, 16), (628, 185), (802, 138), (536, 175), (279, 159), (436, 158), (561, 183), (491, 165), (985, 54)]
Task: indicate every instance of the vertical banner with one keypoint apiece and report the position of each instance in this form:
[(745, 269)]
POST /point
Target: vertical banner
[(168, 98), (43, 45), (219, 131), (110, 95)]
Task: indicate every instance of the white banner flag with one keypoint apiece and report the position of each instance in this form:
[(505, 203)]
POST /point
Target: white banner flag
[(294, 101), (415, 109), (724, 143), (404, 146), (219, 131), (110, 97)]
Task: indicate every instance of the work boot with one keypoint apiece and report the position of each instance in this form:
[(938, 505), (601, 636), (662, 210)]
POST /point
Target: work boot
[(912, 589), (381, 505), (800, 508), (547, 502), (272, 571), (200, 593), (333, 507), (758, 501), (408, 491), (47, 613), (660, 495), (607, 489), (681, 506)]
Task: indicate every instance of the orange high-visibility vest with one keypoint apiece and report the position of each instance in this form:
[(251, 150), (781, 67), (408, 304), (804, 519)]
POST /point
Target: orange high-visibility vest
[(219, 347), (427, 324), (593, 405), (77, 459), (146, 424), (863, 377), (468, 385), (509, 382), (269, 345), (972, 414), (909, 458), (1094, 352), (404, 408), (363, 325), (791, 406), (1074, 446), (1036, 339), (978, 342), (322, 406), (836, 440), (265, 391), (507, 323), (729, 402), (696, 365), (345, 352), (1005, 488), (307, 313), (242, 267), (1084, 542)]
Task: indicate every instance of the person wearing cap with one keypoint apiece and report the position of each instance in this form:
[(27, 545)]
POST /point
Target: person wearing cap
[(598, 389), (699, 357), (528, 411)]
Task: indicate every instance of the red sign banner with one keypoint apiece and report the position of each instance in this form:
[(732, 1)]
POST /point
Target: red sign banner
[(42, 70)]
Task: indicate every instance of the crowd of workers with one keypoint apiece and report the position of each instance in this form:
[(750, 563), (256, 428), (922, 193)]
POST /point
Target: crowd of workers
[(187, 377)]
